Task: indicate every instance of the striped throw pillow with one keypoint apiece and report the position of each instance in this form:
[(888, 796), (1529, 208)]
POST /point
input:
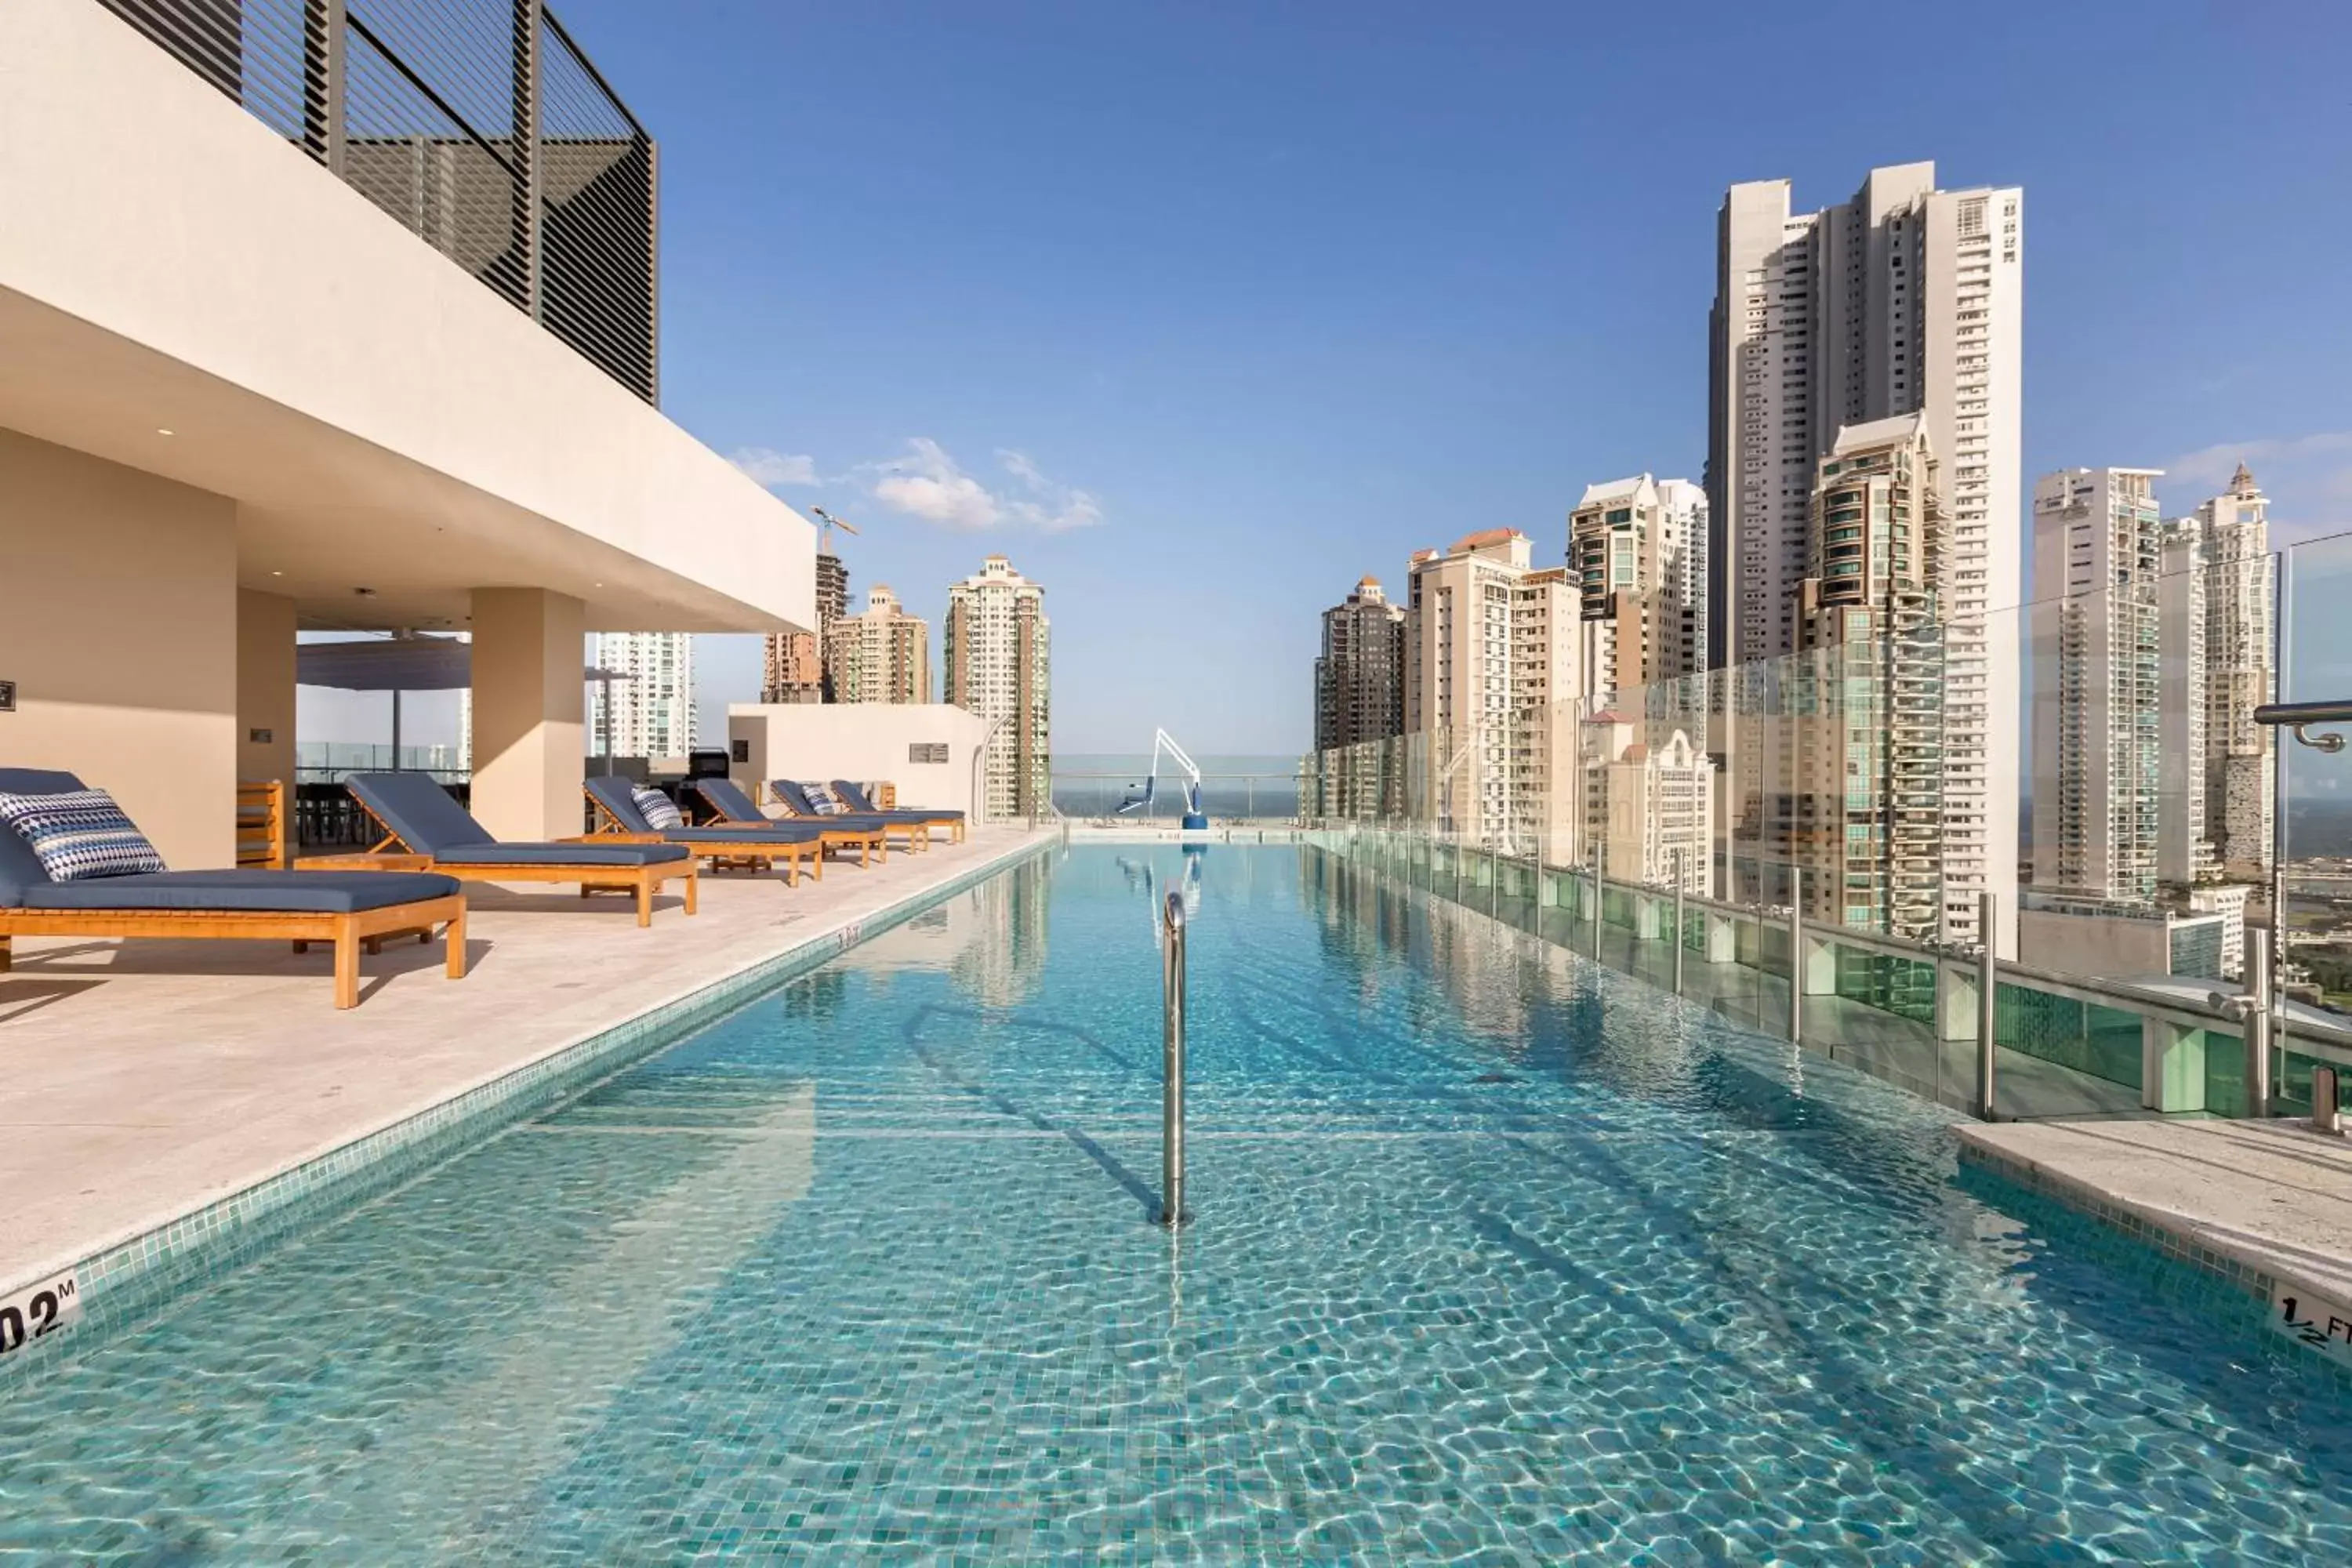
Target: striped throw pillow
[(821, 796), (660, 811), (79, 834)]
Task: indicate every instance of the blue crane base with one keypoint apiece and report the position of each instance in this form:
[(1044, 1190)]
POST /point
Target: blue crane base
[(1196, 821)]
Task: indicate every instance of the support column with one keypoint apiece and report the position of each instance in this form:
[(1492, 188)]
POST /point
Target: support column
[(2171, 1066), (1649, 924), (1816, 964), (529, 712), (264, 686), (1722, 938), (1956, 1000)]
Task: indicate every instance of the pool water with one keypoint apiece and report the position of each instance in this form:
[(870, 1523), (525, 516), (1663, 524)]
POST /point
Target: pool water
[(1496, 1259)]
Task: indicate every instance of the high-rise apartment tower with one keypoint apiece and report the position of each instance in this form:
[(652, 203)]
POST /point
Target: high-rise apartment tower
[(1854, 745), (1490, 677), (650, 713), (2225, 544), (1637, 554), (882, 656), (795, 668), (1360, 674), (2098, 687), (1358, 702), (998, 650), (1905, 299)]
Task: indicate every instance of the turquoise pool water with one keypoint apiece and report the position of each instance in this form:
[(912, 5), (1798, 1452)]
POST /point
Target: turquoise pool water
[(1498, 1260)]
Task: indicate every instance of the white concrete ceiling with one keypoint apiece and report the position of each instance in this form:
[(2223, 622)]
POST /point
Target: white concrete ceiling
[(382, 419), (322, 513)]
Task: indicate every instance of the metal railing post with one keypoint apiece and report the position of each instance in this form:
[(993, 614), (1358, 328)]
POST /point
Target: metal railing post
[(1172, 1091), (1600, 877), (1796, 956), (1679, 923), (1988, 988), (2256, 973), (2327, 1107)]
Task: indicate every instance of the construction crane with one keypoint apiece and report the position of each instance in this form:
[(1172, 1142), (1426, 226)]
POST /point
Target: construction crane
[(824, 534)]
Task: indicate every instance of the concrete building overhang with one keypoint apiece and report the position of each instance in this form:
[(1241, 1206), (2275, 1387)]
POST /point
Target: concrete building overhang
[(383, 422)]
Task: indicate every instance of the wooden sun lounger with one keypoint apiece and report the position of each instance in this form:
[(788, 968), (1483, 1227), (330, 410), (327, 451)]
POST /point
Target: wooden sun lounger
[(874, 841), (724, 854), (348, 932), (389, 854), (394, 852)]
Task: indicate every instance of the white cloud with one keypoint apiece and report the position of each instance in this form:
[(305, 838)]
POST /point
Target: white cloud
[(1018, 464), (1060, 507), (2307, 477), (927, 482), (2214, 465), (1075, 509), (771, 468)]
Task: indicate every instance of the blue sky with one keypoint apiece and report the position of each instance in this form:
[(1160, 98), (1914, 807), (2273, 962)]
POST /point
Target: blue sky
[(1261, 297)]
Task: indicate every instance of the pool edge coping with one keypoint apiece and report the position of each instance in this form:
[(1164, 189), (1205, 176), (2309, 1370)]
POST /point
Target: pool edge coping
[(142, 1247), (2177, 1236)]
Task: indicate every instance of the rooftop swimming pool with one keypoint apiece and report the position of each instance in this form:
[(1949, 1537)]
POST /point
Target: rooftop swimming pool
[(1497, 1258)]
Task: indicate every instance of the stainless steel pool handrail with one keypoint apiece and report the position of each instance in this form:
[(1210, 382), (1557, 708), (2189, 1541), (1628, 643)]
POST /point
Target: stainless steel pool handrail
[(1171, 1086)]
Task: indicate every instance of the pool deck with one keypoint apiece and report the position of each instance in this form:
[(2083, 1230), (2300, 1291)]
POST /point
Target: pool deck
[(2273, 1197), (146, 1080)]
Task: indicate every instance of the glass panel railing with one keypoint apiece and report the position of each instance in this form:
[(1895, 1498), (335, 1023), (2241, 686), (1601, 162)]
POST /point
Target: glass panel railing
[(2313, 871), (2088, 762)]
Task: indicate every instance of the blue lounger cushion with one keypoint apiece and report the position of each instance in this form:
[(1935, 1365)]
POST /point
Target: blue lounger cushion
[(490, 855), (733, 804), (860, 804), (421, 815), (724, 797), (418, 811), (796, 799), (19, 867), (618, 797), (258, 891)]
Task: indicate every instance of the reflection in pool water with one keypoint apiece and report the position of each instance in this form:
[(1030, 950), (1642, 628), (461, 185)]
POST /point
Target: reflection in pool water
[(1495, 1259)]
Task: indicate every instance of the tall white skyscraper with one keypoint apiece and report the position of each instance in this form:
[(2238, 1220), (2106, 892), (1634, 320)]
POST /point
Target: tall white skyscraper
[(2225, 544), (1637, 556), (1490, 675), (1905, 299), (998, 646), (650, 714), (2098, 682), (1857, 751)]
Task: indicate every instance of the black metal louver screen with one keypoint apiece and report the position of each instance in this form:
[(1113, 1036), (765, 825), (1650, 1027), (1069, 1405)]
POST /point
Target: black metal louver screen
[(417, 104)]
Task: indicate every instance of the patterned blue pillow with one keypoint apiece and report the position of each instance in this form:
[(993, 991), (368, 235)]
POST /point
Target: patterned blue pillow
[(78, 835), (823, 800), (658, 810)]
